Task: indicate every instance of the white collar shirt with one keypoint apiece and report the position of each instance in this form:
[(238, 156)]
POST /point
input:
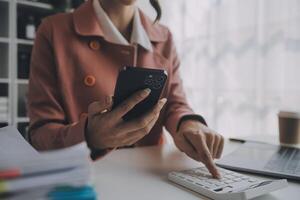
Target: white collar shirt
[(113, 35)]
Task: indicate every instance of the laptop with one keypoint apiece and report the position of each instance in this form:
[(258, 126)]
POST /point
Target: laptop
[(265, 159)]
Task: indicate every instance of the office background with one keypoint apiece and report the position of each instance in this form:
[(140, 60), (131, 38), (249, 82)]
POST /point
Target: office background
[(240, 59), (19, 20)]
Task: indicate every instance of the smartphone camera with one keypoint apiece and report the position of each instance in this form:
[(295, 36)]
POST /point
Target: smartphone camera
[(154, 82), (149, 80)]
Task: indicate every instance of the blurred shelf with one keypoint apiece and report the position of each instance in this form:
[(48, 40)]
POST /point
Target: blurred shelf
[(4, 87), (4, 20), (38, 5), (22, 81), (25, 42), (14, 16), (23, 120), (4, 123), (4, 40), (4, 80)]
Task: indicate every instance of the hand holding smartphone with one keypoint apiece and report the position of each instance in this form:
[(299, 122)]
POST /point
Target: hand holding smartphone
[(134, 79)]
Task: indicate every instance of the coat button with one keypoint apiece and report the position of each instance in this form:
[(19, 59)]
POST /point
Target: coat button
[(94, 44), (89, 80)]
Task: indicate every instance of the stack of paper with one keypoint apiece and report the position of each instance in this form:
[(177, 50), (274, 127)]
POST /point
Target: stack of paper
[(28, 174), (3, 108)]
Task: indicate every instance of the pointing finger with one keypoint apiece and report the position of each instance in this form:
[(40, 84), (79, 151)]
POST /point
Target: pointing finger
[(199, 142)]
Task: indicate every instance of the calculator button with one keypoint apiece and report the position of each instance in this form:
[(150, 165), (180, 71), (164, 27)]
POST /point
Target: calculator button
[(230, 181), (190, 180), (237, 179), (230, 177), (199, 184), (252, 180)]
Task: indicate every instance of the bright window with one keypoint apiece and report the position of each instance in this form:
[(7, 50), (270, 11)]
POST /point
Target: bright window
[(240, 60)]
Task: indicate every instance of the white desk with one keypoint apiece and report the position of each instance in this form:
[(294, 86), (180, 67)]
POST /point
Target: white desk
[(141, 174)]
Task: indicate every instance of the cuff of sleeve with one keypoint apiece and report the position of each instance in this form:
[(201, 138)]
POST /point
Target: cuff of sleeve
[(95, 153), (173, 120), (191, 117), (99, 153)]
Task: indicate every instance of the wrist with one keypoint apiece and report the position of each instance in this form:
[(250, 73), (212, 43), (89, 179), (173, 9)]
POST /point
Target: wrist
[(89, 139), (190, 125), (96, 151)]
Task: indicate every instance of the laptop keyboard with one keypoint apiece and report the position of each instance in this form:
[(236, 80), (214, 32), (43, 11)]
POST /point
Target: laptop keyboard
[(286, 160)]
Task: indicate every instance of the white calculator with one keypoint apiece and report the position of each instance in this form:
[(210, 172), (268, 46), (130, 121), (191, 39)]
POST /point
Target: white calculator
[(232, 185)]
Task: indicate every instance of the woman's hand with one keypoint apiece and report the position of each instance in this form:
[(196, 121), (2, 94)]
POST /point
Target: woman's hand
[(106, 129), (200, 143)]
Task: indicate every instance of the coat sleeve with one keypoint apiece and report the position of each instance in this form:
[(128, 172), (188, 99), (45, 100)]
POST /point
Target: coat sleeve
[(177, 108), (49, 128)]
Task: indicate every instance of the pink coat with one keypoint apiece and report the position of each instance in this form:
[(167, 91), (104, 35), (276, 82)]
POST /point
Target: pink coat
[(72, 66)]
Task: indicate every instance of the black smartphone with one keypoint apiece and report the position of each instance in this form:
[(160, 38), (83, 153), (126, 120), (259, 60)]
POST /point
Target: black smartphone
[(133, 79)]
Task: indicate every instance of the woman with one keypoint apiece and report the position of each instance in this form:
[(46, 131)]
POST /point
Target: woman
[(75, 63)]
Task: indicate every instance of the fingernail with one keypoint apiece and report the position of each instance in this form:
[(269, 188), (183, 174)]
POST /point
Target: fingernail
[(162, 101), (218, 175), (104, 111), (146, 91)]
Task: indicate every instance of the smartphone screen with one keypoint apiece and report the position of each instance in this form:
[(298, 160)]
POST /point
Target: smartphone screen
[(133, 79)]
